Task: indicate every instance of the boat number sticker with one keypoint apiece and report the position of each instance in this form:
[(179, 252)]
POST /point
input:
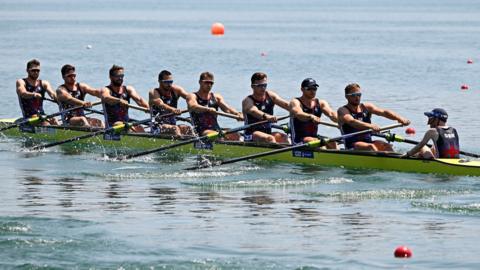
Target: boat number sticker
[(203, 145), (302, 154)]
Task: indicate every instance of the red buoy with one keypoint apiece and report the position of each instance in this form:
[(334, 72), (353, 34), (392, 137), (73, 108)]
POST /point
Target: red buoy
[(410, 131), (464, 87), (218, 29), (402, 252), (469, 61)]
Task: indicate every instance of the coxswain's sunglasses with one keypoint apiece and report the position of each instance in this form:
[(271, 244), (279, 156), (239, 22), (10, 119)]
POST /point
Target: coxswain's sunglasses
[(119, 76), (167, 81), (312, 88)]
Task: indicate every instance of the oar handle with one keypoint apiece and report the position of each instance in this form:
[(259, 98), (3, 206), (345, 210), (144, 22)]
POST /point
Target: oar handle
[(229, 115), (139, 108), (329, 124), (171, 114)]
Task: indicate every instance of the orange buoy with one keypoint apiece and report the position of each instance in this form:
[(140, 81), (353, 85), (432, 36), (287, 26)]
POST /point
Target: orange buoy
[(469, 61), (218, 29), (410, 131), (402, 252), (464, 87)]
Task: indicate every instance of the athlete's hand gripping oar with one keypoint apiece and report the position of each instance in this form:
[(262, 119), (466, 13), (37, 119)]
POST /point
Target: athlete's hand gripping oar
[(229, 115), (311, 144), (36, 119), (125, 103), (210, 137), (116, 128), (398, 138)]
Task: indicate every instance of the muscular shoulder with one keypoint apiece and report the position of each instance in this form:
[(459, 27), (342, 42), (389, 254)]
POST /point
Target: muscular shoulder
[(342, 110)]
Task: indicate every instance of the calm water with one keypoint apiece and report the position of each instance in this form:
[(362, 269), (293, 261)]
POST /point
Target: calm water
[(83, 211)]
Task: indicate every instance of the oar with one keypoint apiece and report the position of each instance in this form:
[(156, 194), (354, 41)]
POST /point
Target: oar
[(116, 128), (311, 144), (36, 119), (229, 115), (210, 137), (398, 138)]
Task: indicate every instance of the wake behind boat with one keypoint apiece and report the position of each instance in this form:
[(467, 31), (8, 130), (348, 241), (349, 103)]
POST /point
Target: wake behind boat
[(389, 161)]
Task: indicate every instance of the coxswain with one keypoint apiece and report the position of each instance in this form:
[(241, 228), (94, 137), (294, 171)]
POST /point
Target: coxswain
[(164, 100), (356, 116), (72, 94), (258, 107), (116, 99), (445, 139), (31, 93), (306, 112)]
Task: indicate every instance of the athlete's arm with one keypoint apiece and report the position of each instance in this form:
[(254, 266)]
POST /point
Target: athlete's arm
[(65, 97), (431, 134), (297, 112), (279, 100), (226, 108), (138, 99), (107, 98), (180, 91), (155, 100), (22, 91), (344, 117), (194, 106), (90, 90), (327, 110), (386, 113), (46, 85)]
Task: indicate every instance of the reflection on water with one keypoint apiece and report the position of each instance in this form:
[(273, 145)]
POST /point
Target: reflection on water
[(166, 197), (31, 196)]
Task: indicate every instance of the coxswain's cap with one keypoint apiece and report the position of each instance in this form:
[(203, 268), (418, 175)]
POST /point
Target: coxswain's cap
[(438, 113)]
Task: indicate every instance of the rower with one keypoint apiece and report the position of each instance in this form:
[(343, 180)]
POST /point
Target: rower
[(356, 116), (31, 93), (306, 112), (163, 100), (445, 139), (259, 106), (203, 106), (72, 94), (116, 99)]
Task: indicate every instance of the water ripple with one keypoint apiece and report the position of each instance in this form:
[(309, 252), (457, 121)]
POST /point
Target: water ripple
[(399, 194), (463, 209)]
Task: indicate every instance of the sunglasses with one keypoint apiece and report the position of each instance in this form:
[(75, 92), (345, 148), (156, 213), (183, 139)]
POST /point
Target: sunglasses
[(312, 88), (260, 85), (34, 70), (167, 81), (354, 95), (207, 82), (71, 75), (119, 76)]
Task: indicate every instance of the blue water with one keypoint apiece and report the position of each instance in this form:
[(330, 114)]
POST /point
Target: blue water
[(60, 210)]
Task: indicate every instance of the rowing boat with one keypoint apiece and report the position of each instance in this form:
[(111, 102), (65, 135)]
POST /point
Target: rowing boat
[(229, 149)]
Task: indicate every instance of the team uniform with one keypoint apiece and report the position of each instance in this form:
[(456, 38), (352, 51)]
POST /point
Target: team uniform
[(171, 99), (202, 120), (32, 106), (265, 106), (447, 145), (78, 94), (116, 113), (364, 116), (301, 129)]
